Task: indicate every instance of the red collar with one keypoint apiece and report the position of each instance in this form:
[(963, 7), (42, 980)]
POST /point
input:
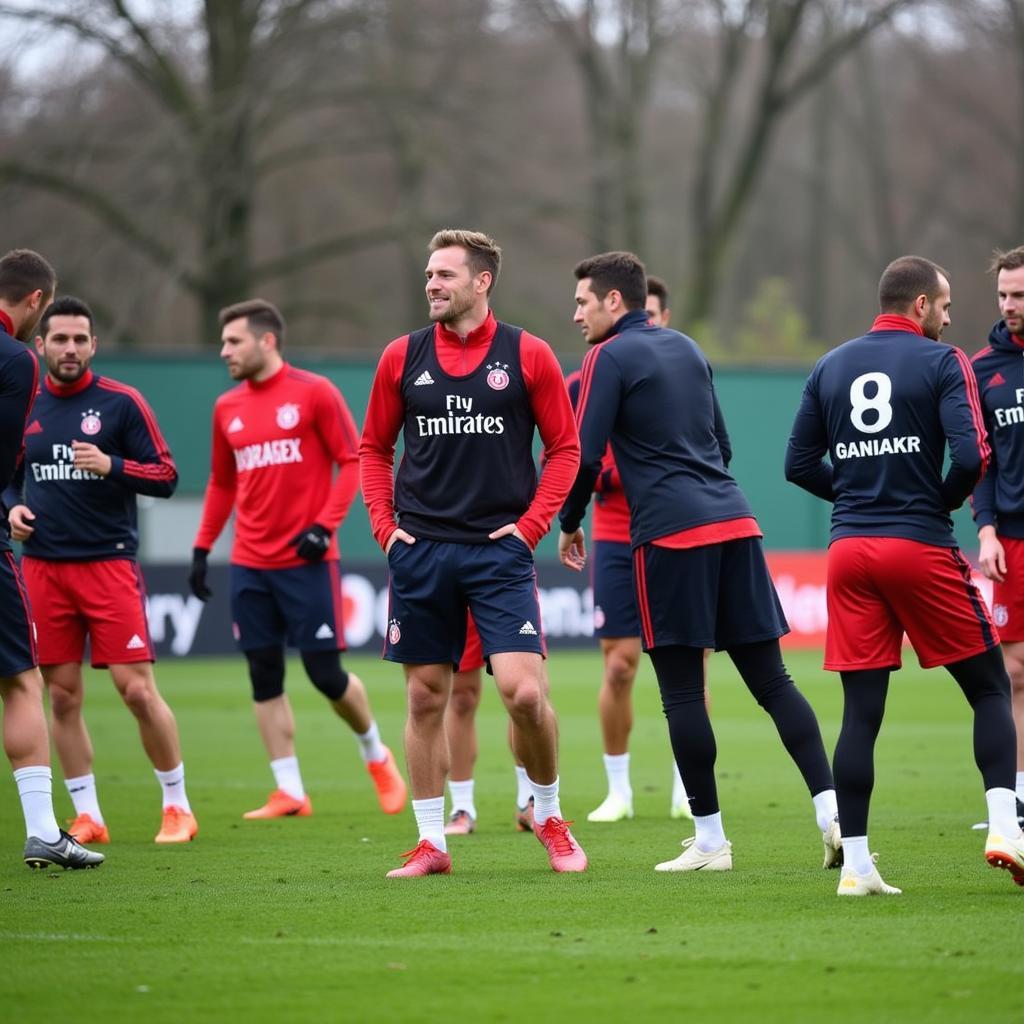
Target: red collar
[(270, 381), (6, 323), (55, 387), (895, 322), (479, 335)]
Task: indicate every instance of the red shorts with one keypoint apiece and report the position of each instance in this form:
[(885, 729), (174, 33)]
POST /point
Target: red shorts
[(1008, 597), (473, 651), (881, 587), (106, 600)]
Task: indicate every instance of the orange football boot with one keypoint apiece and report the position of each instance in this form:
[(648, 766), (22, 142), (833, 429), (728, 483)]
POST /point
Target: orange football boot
[(388, 782), (84, 829), (425, 859), (280, 805), (178, 826)]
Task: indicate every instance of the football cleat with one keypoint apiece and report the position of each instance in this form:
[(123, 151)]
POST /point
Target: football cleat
[(177, 826), (693, 858), (85, 829), (1006, 853), (614, 808), (280, 805), (424, 859), (461, 823), (524, 817), (833, 842), (388, 782), (65, 853), (871, 884), (564, 853), (680, 808)]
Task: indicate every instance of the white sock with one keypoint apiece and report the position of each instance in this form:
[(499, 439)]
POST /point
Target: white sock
[(710, 836), (1020, 786), (462, 797), (825, 808), (82, 790), (679, 795), (1002, 811), (616, 767), (173, 785), (287, 776), (545, 802), (856, 855), (35, 787), (430, 820), (370, 745), (523, 791)]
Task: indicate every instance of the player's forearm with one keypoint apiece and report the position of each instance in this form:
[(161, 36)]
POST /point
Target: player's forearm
[(342, 493), (376, 476), (807, 469), (156, 479), (555, 484), (216, 510)]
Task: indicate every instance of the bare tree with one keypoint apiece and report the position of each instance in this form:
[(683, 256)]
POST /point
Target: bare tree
[(219, 103), (733, 149)]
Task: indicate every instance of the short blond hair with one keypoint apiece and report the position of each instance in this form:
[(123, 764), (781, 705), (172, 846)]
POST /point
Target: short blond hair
[(482, 251)]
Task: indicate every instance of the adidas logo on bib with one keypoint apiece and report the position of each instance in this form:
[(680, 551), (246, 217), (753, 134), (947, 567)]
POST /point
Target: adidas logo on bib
[(423, 378), (136, 643), (527, 629), (324, 632), (235, 425)]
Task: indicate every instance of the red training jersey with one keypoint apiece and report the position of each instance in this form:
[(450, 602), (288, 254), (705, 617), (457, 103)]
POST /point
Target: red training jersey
[(549, 404), (275, 445)]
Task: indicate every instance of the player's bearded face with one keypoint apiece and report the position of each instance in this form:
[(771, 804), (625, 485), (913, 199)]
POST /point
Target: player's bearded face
[(592, 316), (68, 347), (1010, 284), (452, 290), (937, 317)]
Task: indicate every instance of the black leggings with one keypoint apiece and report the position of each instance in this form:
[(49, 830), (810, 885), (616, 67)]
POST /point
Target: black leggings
[(986, 686), (680, 672)]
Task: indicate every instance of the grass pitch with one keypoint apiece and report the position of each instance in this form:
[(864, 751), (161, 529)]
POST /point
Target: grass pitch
[(292, 920)]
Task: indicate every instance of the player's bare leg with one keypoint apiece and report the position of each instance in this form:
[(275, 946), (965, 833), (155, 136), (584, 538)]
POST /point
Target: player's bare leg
[(615, 709), (25, 739), (277, 726), (353, 706), (70, 735), (460, 728)]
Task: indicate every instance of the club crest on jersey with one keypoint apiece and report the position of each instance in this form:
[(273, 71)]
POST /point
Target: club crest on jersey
[(394, 631), (1000, 614), (287, 415), (498, 378), (91, 422)]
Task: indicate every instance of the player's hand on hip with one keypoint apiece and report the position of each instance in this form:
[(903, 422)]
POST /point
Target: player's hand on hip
[(197, 577), (572, 551), (398, 534), (991, 557), (509, 530), (91, 459), (19, 517), (312, 542)]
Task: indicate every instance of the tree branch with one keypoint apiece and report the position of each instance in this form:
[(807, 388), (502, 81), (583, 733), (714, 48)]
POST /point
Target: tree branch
[(307, 256)]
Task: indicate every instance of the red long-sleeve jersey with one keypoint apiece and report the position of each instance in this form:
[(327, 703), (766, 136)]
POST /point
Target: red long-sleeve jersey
[(275, 445), (549, 403)]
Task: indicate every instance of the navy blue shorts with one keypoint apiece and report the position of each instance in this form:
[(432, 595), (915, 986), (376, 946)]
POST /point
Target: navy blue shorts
[(18, 632), (300, 607), (433, 583), (614, 600), (717, 595)]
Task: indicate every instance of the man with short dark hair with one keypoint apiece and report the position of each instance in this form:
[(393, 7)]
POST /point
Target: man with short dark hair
[(94, 444), (998, 499), (277, 438), (699, 573), (27, 284), (460, 522), (884, 407)]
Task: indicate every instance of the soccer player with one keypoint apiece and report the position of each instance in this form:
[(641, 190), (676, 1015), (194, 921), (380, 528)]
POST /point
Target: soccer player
[(699, 572), (999, 498), (27, 284), (616, 622), (460, 523), (884, 407), (460, 728), (277, 437), (92, 445)]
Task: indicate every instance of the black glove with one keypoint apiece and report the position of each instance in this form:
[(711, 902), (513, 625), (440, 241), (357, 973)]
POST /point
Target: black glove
[(312, 542), (197, 577)]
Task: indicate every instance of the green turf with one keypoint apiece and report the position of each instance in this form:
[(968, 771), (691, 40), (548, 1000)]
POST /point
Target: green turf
[(292, 920)]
